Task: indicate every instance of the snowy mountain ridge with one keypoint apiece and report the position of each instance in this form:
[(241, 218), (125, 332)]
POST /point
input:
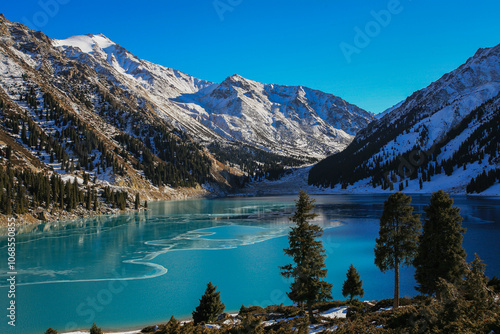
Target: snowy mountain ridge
[(146, 73), (88, 117), (443, 136), (286, 120)]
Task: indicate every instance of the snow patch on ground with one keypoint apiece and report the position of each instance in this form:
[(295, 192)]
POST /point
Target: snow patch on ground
[(336, 312)]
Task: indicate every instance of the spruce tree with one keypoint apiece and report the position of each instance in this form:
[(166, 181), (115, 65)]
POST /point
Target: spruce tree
[(172, 327), (398, 237), (440, 251), (95, 330), (476, 283), (308, 255), (137, 201), (88, 200), (210, 306), (8, 202), (353, 285)]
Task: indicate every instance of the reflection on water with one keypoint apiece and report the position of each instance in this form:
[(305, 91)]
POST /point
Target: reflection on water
[(93, 248), (168, 254)]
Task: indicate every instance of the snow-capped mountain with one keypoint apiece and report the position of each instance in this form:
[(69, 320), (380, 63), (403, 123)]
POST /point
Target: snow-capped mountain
[(443, 136), (150, 84), (279, 119), (83, 109), (87, 108), (284, 119)]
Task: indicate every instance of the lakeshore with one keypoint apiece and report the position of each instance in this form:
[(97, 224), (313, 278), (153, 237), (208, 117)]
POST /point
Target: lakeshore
[(163, 258)]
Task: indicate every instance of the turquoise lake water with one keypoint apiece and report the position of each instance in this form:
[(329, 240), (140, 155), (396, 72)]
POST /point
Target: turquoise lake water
[(133, 270)]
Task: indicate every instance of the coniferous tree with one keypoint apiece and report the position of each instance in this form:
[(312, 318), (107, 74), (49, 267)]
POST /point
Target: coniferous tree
[(88, 201), (440, 251), (210, 306), (308, 255), (353, 285), (8, 202), (476, 283), (24, 135), (21, 200), (137, 201), (95, 330), (398, 237), (172, 327)]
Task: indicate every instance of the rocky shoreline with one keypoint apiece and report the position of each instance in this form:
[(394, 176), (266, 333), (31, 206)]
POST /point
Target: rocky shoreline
[(29, 221)]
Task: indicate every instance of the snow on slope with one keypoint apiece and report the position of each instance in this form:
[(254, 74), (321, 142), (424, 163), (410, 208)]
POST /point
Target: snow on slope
[(146, 73), (281, 119), (443, 115), (151, 84), (448, 101), (284, 119)]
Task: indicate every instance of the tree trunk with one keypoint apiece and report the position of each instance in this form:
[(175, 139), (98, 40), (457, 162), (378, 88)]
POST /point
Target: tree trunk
[(311, 315), (396, 286), (439, 296)]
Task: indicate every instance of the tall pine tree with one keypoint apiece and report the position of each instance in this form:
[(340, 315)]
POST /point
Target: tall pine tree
[(210, 306), (353, 285), (308, 255), (398, 237), (440, 251)]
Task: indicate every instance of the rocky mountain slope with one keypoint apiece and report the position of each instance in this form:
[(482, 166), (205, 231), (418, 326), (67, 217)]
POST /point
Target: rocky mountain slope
[(63, 118), (87, 111), (444, 136), (284, 120)]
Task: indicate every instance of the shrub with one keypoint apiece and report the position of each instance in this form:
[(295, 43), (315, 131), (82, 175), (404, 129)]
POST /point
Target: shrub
[(251, 310), (286, 311)]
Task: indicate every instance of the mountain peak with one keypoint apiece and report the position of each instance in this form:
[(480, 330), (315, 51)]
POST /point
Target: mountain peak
[(237, 76), (86, 43), (234, 78)]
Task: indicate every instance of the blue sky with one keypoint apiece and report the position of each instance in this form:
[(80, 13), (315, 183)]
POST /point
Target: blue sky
[(371, 53)]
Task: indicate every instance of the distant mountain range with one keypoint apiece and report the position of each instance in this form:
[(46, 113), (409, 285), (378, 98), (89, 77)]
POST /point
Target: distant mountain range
[(86, 109), (445, 136), (285, 120)]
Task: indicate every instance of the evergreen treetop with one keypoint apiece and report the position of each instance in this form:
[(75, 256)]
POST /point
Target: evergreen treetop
[(440, 252), (95, 330), (210, 306), (353, 285), (308, 254)]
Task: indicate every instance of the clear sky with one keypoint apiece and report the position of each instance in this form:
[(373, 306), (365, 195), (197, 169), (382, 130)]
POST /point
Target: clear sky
[(371, 53)]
